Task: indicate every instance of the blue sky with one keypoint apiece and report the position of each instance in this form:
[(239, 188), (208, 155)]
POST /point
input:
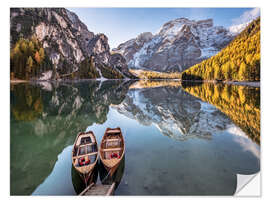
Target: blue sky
[(122, 24)]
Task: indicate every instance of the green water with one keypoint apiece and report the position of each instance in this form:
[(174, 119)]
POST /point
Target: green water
[(177, 142)]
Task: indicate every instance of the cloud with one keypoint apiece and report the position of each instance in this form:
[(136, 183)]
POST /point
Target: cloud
[(247, 16), (240, 23), (241, 138)]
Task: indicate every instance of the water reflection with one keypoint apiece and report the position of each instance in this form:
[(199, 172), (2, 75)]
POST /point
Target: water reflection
[(155, 119), (27, 102), (176, 113), (105, 177), (240, 103), (78, 183), (46, 120)]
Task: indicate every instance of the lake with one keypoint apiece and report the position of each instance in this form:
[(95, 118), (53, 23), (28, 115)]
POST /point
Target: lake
[(181, 139)]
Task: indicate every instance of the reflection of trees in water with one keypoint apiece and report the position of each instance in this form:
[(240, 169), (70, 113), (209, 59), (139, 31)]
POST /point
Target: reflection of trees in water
[(26, 102), (240, 103), (49, 121)]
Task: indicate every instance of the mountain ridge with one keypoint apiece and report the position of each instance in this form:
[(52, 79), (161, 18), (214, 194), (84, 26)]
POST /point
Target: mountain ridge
[(239, 61), (179, 44), (66, 41)]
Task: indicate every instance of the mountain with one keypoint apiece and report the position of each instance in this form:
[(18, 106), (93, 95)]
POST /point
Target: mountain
[(179, 44), (240, 60), (237, 29), (67, 43)]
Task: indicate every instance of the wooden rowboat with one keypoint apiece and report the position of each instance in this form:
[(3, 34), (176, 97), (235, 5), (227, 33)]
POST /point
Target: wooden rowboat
[(85, 154), (112, 149)]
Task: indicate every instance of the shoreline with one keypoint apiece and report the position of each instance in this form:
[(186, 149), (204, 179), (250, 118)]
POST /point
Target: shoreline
[(241, 83), (244, 83), (18, 81)]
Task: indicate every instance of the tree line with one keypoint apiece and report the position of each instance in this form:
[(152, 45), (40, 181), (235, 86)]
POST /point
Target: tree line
[(239, 61), (28, 59)]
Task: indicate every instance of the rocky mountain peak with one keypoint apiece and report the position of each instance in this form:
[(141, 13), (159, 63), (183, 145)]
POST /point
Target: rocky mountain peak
[(65, 39), (179, 44), (206, 23), (144, 37)]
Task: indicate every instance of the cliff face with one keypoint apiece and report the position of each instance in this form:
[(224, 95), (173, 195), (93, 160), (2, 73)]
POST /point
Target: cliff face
[(65, 39), (239, 61), (178, 45)]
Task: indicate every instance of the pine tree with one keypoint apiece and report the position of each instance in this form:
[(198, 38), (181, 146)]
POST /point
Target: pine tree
[(41, 54), (243, 72), (29, 66), (240, 60)]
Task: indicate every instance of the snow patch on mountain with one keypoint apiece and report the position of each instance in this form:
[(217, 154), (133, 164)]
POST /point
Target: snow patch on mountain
[(179, 44), (239, 24), (208, 52), (236, 29), (143, 54)]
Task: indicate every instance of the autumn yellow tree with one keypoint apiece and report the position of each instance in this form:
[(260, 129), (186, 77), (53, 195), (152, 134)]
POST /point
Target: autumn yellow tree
[(240, 60), (243, 71), (29, 66), (27, 59)]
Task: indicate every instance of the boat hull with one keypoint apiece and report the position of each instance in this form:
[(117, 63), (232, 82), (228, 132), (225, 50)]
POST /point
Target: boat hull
[(85, 171), (112, 170), (79, 182), (111, 166)]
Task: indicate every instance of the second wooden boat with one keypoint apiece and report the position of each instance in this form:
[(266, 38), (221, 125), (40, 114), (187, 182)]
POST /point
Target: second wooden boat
[(112, 149), (85, 154)]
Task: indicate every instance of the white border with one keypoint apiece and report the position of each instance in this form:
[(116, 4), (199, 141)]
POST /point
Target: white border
[(135, 3)]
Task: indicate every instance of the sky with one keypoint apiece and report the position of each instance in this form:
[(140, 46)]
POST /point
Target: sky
[(122, 24)]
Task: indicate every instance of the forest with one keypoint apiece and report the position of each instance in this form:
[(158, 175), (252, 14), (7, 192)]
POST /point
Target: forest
[(88, 69), (239, 61), (28, 59)]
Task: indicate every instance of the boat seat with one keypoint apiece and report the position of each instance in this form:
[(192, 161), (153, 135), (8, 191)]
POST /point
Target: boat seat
[(112, 140), (111, 143), (79, 156), (111, 149), (87, 144), (86, 149), (113, 131)]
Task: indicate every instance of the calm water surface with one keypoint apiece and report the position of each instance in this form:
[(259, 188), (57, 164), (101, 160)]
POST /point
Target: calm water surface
[(180, 140)]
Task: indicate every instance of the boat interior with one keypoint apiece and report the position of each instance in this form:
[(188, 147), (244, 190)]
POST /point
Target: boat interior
[(85, 150), (112, 145)]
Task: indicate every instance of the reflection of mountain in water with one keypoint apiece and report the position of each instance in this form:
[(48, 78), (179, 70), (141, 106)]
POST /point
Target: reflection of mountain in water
[(46, 118), (240, 103), (176, 113)]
